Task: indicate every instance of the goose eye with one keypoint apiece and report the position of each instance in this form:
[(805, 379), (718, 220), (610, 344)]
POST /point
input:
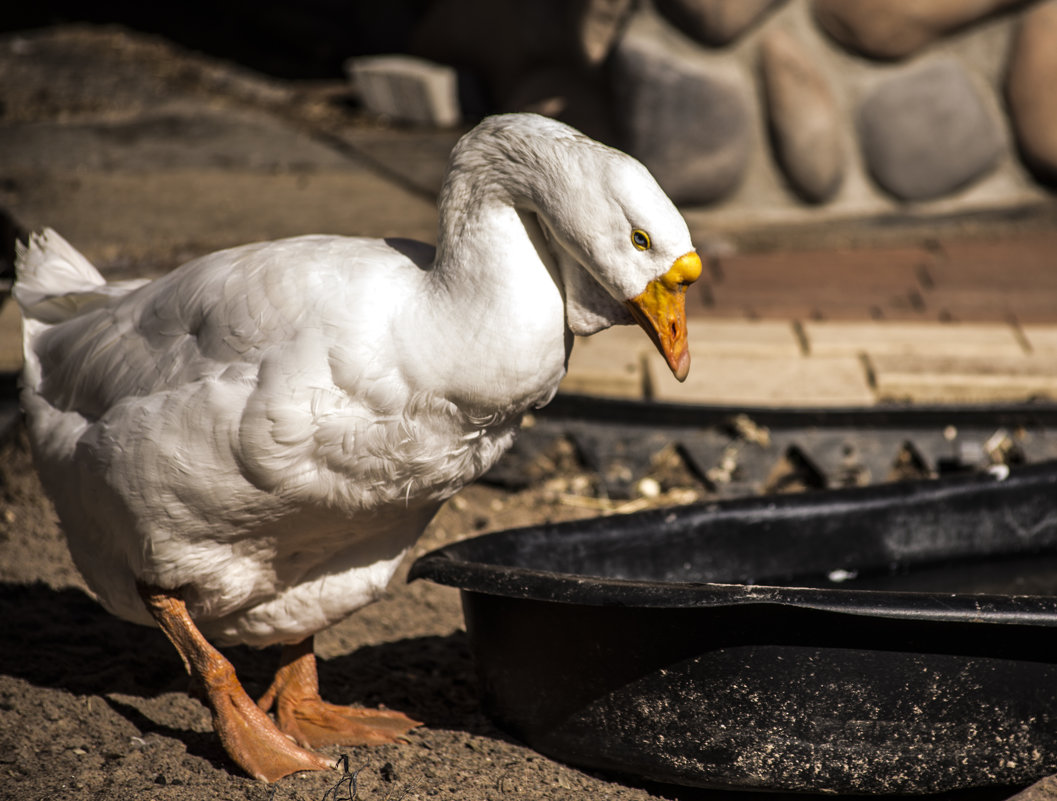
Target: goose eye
[(640, 239)]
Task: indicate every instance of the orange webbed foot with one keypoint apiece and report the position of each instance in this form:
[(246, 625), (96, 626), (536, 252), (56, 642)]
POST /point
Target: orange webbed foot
[(248, 735), (313, 722)]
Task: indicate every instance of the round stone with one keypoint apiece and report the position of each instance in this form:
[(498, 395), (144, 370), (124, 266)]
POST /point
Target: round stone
[(925, 133), (683, 114), (1030, 92), (892, 29), (714, 22), (804, 120)]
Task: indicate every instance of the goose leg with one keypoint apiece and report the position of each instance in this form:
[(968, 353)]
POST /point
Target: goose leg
[(313, 722), (246, 732)]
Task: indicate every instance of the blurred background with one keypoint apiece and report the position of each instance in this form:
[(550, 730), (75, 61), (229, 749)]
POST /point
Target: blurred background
[(876, 162), (766, 112)]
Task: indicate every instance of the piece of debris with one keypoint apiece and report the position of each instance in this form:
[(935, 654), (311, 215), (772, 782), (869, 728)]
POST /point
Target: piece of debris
[(407, 89)]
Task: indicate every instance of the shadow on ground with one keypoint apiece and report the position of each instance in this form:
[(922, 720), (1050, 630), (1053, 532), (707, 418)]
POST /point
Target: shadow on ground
[(62, 639)]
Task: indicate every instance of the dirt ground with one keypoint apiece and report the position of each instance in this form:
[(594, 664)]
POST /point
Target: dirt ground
[(92, 707)]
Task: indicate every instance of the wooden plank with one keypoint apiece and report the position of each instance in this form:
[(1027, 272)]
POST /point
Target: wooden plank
[(964, 379), (765, 382), (994, 341)]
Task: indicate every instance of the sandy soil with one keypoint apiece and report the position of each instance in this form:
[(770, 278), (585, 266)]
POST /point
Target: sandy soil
[(95, 708)]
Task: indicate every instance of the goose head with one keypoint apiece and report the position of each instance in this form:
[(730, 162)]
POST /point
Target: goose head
[(624, 252), (614, 241)]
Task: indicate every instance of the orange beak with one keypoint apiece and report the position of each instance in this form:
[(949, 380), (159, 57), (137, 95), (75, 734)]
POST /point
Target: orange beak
[(661, 311)]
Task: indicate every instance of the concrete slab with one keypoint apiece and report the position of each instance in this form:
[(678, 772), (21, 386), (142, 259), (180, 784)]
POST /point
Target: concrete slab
[(173, 178), (153, 221), (415, 159), (177, 134)]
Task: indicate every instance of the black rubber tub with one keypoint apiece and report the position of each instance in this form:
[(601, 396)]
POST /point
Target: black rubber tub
[(895, 639)]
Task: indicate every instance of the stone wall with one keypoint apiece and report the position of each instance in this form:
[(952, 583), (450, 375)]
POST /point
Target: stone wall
[(785, 111)]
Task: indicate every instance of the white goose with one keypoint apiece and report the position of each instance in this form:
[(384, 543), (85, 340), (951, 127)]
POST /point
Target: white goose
[(242, 450)]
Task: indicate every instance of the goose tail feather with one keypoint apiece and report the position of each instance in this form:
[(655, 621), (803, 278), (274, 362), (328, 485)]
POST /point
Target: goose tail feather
[(49, 274)]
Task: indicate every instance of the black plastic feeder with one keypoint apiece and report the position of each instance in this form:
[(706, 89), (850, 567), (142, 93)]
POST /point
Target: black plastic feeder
[(893, 639)]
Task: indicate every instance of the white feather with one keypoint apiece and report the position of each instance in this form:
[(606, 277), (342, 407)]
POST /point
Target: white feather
[(270, 427)]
